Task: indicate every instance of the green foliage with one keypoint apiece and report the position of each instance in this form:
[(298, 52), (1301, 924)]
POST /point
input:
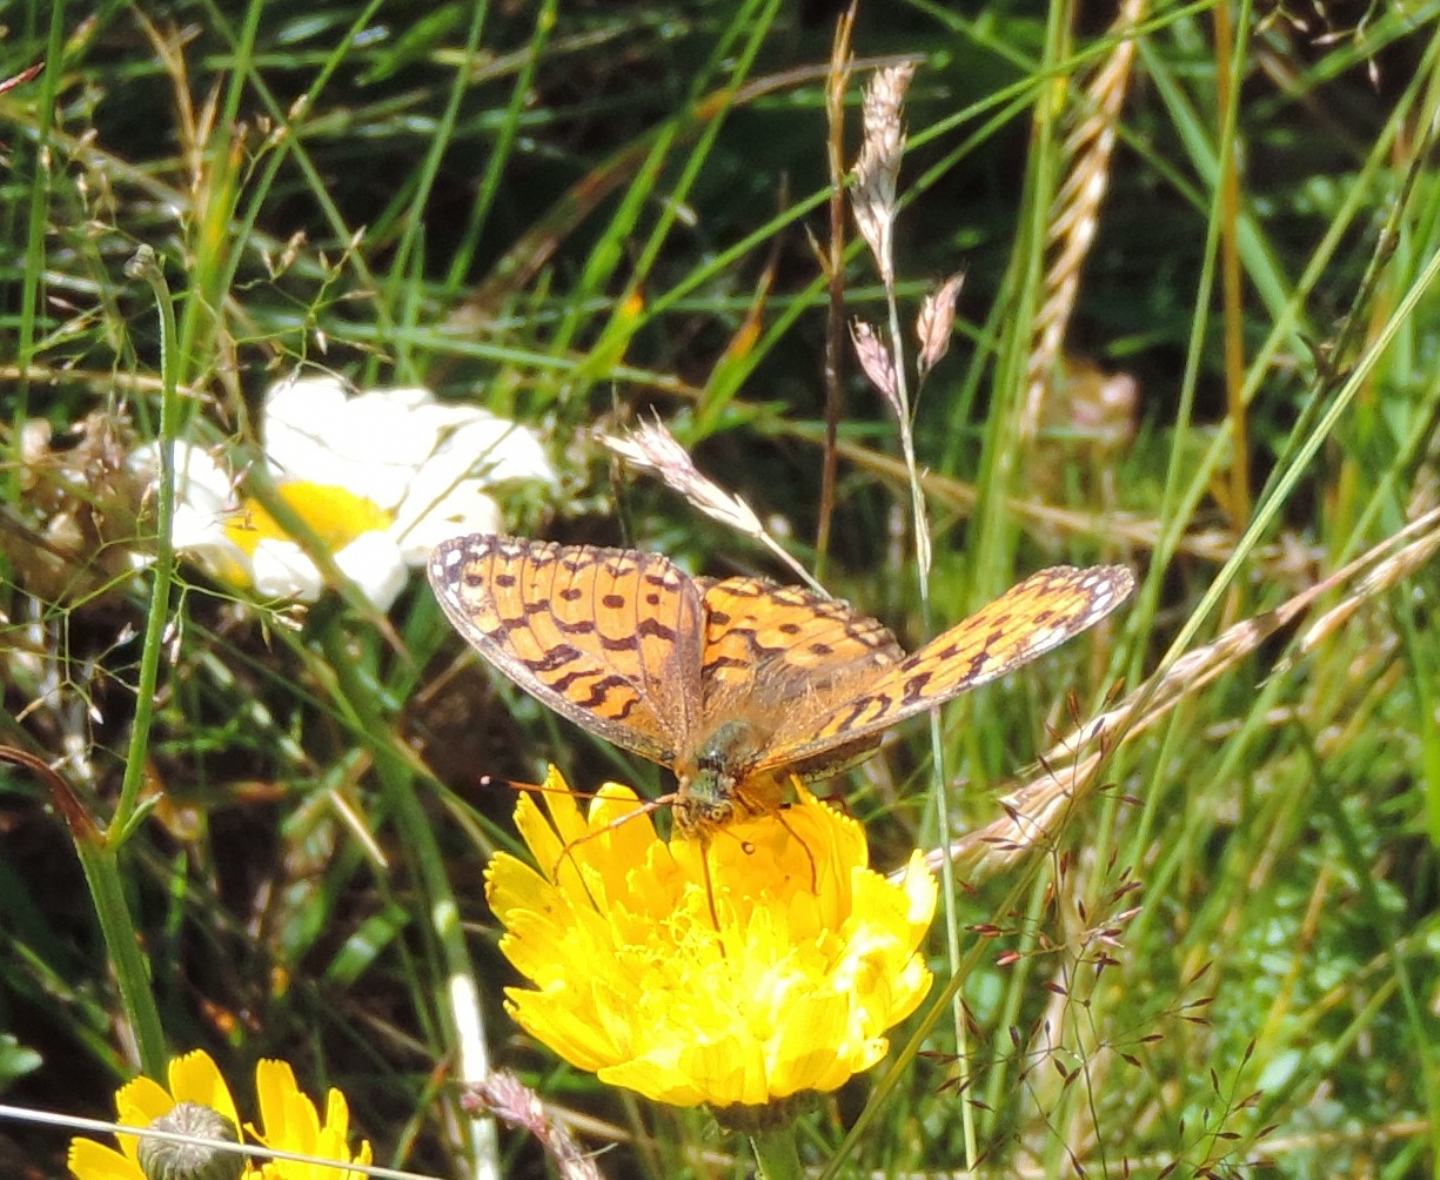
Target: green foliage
[(572, 214)]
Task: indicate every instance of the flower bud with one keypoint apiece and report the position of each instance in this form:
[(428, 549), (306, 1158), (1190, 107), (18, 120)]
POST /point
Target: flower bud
[(165, 1159)]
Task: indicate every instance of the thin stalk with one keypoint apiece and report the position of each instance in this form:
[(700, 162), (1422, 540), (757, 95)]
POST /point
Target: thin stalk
[(35, 238), (292, 119), (1232, 290), (835, 86), (211, 241), (937, 743), (147, 267), (902, 1059), (291, 124), (101, 867)]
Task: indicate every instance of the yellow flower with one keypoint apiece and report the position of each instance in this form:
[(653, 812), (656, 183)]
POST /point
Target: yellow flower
[(289, 1118), (774, 973)]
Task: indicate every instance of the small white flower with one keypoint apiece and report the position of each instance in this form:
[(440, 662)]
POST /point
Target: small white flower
[(381, 477)]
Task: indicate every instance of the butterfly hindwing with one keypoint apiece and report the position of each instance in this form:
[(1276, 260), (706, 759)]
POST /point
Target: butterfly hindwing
[(785, 648)]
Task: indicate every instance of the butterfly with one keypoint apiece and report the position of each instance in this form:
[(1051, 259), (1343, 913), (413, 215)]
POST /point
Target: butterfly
[(735, 684)]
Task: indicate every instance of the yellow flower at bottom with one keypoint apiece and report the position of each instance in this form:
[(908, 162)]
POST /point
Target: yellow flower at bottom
[(769, 968), (139, 1102), (290, 1122), (289, 1118)]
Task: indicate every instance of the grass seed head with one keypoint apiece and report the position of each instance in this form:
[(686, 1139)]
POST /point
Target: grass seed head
[(879, 163)]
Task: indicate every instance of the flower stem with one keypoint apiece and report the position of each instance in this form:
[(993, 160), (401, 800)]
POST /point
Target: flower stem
[(147, 267), (107, 893), (777, 1153)]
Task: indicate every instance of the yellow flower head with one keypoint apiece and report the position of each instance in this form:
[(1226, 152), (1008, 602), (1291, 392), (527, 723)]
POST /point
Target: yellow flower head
[(289, 1119), (774, 973)]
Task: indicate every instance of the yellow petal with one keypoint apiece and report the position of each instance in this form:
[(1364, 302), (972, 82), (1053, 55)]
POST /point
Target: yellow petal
[(291, 1122), (287, 1117), (89, 1160), (146, 1098), (195, 1077), (539, 835), (138, 1103)]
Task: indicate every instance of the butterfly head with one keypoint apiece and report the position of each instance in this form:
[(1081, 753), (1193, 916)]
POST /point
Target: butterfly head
[(700, 811)]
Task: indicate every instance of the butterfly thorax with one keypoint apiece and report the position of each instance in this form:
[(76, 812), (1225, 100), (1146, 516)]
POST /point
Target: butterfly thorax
[(715, 788)]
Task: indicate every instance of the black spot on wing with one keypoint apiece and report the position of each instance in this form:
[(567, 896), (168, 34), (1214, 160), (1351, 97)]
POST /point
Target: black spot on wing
[(915, 687), (654, 627), (554, 659)]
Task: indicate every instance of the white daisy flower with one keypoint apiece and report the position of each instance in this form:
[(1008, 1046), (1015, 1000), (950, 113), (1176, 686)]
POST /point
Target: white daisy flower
[(381, 477)]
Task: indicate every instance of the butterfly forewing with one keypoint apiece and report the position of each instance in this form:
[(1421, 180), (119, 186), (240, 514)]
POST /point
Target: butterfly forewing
[(1025, 622), (609, 638)]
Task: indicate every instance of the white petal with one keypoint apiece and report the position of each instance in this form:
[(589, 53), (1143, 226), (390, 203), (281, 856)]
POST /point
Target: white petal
[(203, 503), (497, 450), (376, 443), (299, 414), (374, 563), (398, 427), (194, 529), (314, 432), (464, 509), (282, 570), (201, 538), (477, 455), (200, 481), (370, 445)]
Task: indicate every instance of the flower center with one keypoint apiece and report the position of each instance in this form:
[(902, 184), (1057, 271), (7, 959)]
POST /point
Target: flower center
[(336, 515)]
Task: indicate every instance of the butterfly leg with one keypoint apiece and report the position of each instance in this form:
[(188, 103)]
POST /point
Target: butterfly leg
[(810, 856)]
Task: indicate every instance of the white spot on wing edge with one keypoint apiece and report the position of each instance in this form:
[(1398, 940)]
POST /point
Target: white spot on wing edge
[(1043, 637)]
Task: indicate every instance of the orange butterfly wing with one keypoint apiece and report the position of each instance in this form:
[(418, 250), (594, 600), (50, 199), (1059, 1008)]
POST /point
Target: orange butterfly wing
[(778, 656), (780, 679), (768, 646), (1025, 622), (609, 638)]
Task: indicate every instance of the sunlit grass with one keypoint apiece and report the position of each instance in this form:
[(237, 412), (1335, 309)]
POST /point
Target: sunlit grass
[(1211, 946)]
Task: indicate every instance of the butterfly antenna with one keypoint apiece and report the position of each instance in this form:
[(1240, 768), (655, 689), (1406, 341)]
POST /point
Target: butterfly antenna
[(648, 807), (491, 780)]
